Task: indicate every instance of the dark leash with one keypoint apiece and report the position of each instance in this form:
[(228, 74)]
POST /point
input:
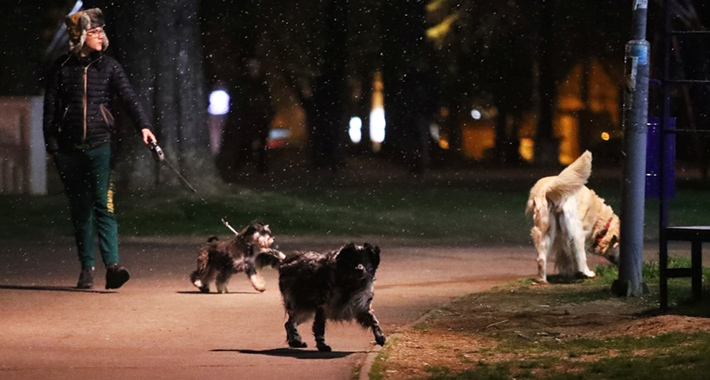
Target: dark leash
[(159, 156)]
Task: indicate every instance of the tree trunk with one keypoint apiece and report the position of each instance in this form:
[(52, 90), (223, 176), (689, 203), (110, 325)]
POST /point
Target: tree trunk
[(546, 145), (326, 116), (407, 81), (159, 45)]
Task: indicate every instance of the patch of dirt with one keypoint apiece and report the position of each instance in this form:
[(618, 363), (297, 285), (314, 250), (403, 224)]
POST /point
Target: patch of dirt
[(467, 332), (666, 323)]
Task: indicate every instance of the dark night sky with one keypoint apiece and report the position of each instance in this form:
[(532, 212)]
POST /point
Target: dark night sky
[(23, 43), (29, 24)]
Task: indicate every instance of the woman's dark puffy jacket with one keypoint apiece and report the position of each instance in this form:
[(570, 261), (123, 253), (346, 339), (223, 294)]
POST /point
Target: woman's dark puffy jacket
[(77, 102)]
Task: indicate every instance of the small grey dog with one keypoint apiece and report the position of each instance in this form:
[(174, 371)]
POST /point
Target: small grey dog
[(337, 285), (248, 251)]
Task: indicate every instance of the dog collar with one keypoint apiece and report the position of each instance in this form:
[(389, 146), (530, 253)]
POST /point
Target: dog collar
[(604, 231)]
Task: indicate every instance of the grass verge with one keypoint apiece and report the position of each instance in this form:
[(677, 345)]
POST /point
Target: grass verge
[(576, 330), (428, 212), (458, 212)]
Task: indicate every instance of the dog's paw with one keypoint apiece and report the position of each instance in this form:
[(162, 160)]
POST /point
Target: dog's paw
[(589, 274), (322, 347), (380, 340), (204, 288), (258, 283), (297, 344), (260, 287)]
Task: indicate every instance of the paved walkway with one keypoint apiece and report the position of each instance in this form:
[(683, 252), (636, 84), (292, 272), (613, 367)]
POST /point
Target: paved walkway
[(159, 327)]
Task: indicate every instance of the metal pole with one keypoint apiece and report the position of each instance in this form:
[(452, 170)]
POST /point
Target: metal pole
[(635, 122), (662, 169)]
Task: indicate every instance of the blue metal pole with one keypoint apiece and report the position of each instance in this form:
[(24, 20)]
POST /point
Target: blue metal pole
[(636, 60)]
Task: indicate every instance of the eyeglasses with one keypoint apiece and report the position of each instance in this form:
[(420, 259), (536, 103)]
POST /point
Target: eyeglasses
[(94, 32)]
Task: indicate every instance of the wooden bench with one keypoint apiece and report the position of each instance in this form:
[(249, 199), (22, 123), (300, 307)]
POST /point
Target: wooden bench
[(696, 235)]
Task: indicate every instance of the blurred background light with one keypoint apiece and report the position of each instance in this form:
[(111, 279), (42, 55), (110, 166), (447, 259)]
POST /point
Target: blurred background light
[(355, 129), (219, 103), (377, 124)]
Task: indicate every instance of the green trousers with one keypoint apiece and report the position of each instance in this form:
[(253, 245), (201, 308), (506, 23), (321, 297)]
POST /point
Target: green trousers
[(87, 177)]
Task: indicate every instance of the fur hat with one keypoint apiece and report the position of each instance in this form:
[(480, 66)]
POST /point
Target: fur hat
[(77, 25)]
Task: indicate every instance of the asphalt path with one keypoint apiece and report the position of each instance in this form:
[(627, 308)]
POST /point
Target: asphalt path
[(158, 326)]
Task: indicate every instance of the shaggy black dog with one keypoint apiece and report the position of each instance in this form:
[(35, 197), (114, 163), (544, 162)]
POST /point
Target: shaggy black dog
[(248, 251), (337, 286)]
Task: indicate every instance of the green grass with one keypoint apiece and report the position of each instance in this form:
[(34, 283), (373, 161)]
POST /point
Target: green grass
[(668, 356), (377, 371), (650, 272), (462, 212), (477, 216)]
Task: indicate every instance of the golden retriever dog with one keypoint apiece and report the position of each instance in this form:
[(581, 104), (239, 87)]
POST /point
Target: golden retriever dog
[(570, 220)]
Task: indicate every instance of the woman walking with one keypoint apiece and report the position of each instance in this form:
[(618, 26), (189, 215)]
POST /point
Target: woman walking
[(78, 126)]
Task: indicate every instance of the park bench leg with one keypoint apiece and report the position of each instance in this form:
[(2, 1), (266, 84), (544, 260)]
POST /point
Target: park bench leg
[(663, 277), (696, 260)]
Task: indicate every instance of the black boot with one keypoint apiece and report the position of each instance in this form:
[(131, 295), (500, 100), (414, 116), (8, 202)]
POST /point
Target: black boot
[(116, 276), (86, 278)]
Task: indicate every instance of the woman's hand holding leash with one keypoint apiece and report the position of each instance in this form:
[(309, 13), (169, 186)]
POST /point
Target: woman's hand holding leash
[(148, 136), (150, 140)]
